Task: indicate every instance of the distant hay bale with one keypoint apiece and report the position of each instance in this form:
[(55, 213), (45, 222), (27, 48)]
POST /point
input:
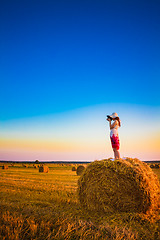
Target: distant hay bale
[(119, 186), (152, 166), (5, 167), (35, 166), (44, 169), (24, 165), (74, 168), (80, 170), (156, 166)]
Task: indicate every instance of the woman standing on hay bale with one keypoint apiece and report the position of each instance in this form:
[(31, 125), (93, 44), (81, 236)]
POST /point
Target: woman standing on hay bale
[(114, 133)]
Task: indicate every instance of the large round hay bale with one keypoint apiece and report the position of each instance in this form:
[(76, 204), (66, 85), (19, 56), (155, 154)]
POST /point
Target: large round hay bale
[(80, 170), (119, 186), (44, 169)]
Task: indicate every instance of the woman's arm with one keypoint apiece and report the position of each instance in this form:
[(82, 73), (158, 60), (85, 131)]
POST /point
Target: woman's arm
[(112, 125)]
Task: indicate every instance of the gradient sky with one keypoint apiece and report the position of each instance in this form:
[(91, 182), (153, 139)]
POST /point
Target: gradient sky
[(64, 65)]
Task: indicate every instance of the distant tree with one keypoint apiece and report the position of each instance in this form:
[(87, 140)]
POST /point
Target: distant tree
[(37, 162)]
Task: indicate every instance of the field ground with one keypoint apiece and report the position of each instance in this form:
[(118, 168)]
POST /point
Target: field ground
[(44, 206)]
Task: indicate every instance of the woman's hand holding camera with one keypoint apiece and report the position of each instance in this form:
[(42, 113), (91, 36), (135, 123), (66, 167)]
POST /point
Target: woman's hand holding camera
[(109, 118)]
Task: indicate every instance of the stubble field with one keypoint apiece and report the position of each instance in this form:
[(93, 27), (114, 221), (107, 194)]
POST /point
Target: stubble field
[(44, 206)]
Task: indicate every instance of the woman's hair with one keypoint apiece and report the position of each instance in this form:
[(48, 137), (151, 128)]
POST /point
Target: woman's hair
[(119, 121)]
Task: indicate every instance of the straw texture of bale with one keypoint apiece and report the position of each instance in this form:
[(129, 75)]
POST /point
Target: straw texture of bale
[(119, 186), (5, 167), (80, 170), (44, 169)]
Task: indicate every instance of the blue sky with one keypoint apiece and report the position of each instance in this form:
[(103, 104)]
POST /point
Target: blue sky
[(62, 59), (62, 55)]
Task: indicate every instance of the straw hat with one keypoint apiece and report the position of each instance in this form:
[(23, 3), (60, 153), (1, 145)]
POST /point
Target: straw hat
[(114, 115)]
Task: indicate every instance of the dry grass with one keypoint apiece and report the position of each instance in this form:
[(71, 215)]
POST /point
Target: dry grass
[(119, 186), (19, 228), (45, 206)]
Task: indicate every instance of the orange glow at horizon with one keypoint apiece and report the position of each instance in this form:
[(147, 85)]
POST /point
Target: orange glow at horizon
[(44, 145), (83, 134), (150, 144)]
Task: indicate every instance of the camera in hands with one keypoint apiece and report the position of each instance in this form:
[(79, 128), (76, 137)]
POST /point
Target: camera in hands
[(109, 117)]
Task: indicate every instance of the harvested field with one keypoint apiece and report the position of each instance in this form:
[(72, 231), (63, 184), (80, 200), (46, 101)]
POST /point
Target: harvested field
[(45, 206)]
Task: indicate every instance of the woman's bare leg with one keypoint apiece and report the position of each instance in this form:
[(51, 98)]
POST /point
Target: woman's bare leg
[(116, 153), (114, 150)]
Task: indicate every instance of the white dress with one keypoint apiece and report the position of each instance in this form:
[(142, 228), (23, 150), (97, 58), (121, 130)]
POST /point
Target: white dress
[(114, 136)]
